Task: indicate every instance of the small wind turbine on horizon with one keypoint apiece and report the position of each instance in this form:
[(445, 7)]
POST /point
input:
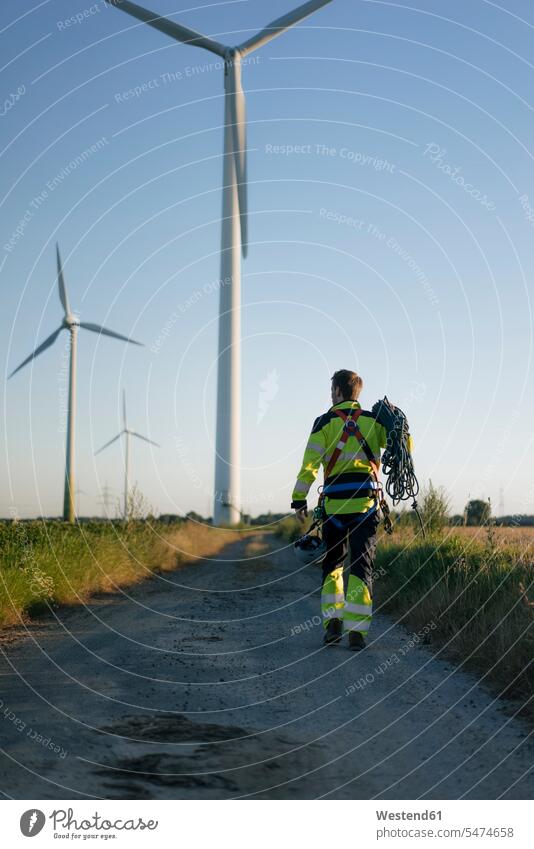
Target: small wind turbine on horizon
[(71, 323), (234, 239), (77, 494), (127, 433)]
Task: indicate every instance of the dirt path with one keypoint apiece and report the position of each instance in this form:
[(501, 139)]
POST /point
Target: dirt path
[(212, 682)]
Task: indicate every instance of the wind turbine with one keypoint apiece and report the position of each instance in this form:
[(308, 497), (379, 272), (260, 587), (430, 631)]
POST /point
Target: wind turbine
[(234, 238), (77, 494), (71, 323), (127, 433)]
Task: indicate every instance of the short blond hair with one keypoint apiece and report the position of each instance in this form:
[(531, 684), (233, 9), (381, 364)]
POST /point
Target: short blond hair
[(349, 384)]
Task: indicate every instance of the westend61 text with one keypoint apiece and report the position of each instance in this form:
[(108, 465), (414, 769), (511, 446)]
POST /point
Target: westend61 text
[(408, 815)]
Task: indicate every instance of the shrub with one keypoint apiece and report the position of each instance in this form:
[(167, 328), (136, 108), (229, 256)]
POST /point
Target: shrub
[(434, 508)]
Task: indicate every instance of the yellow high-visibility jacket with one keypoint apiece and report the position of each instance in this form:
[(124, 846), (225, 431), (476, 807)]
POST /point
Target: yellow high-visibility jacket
[(351, 484)]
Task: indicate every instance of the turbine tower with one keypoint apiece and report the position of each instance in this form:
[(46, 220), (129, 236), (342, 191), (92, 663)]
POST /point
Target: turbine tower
[(227, 496), (71, 323), (127, 433)]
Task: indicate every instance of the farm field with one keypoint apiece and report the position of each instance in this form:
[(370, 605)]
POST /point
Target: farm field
[(518, 537)]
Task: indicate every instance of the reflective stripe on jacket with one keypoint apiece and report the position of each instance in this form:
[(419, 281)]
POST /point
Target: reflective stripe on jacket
[(350, 486)]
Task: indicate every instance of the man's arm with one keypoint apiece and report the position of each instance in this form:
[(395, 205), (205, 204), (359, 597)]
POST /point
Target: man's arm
[(311, 463)]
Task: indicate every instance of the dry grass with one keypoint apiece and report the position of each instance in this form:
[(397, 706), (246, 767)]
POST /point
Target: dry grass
[(477, 587), (515, 536)]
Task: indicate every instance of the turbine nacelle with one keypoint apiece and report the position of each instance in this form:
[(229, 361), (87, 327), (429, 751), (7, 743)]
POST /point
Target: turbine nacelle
[(232, 56), (71, 321)]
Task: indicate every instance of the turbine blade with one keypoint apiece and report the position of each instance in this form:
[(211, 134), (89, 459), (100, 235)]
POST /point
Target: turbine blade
[(111, 441), (97, 328), (239, 144), (145, 439), (61, 283), (124, 408), (280, 25), (176, 31), (42, 347)]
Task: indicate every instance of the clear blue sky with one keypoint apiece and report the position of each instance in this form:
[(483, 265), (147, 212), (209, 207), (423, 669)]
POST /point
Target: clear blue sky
[(394, 241)]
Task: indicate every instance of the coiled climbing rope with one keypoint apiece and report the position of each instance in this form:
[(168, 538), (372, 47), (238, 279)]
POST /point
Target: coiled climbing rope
[(397, 463)]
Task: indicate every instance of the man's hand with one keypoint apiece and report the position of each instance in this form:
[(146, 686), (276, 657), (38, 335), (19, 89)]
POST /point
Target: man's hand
[(301, 515)]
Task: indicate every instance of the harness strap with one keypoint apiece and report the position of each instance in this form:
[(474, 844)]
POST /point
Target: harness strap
[(363, 442), (351, 429)]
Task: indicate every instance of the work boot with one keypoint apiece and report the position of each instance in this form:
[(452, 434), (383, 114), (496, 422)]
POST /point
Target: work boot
[(356, 641), (334, 631)]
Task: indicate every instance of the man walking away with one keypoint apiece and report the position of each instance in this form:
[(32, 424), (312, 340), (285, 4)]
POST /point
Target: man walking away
[(347, 442)]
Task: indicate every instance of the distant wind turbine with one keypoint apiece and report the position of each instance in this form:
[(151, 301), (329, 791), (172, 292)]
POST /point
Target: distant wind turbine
[(77, 494), (71, 323), (234, 238), (127, 433)]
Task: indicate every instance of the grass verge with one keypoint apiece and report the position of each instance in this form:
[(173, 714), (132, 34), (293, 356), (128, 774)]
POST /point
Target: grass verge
[(476, 589), (47, 563), (475, 593)]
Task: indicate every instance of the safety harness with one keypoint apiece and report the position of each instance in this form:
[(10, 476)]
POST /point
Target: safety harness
[(350, 428)]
